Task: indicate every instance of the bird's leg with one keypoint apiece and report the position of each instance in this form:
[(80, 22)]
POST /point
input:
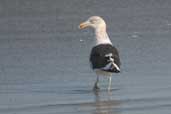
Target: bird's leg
[(110, 82), (96, 87)]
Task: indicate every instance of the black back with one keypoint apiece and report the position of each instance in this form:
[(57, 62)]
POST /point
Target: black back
[(97, 56)]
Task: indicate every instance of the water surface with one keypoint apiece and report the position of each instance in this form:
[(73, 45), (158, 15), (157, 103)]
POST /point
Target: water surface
[(44, 66)]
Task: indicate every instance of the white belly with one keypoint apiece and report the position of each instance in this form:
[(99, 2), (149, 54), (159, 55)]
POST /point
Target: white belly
[(102, 73)]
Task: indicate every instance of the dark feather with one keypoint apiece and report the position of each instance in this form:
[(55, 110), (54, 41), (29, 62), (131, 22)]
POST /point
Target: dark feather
[(99, 60)]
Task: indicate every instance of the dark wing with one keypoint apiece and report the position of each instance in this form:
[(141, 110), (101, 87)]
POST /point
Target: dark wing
[(99, 57), (116, 56)]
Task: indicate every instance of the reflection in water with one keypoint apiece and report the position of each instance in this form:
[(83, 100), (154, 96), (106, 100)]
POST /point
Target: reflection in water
[(105, 104)]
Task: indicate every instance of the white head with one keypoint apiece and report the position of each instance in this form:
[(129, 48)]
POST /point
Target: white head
[(99, 26), (95, 22)]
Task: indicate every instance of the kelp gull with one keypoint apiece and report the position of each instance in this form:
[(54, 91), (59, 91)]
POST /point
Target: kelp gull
[(104, 57)]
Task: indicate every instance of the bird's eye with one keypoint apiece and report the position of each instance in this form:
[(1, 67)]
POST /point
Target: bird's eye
[(92, 21)]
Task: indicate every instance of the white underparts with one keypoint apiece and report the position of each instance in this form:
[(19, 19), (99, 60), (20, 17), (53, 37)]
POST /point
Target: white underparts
[(102, 72)]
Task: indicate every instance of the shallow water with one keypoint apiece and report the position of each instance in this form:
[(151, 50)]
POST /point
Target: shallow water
[(44, 66)]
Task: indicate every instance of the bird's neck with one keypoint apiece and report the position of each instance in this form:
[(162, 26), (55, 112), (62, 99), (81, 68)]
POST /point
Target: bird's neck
[(102, 36)]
